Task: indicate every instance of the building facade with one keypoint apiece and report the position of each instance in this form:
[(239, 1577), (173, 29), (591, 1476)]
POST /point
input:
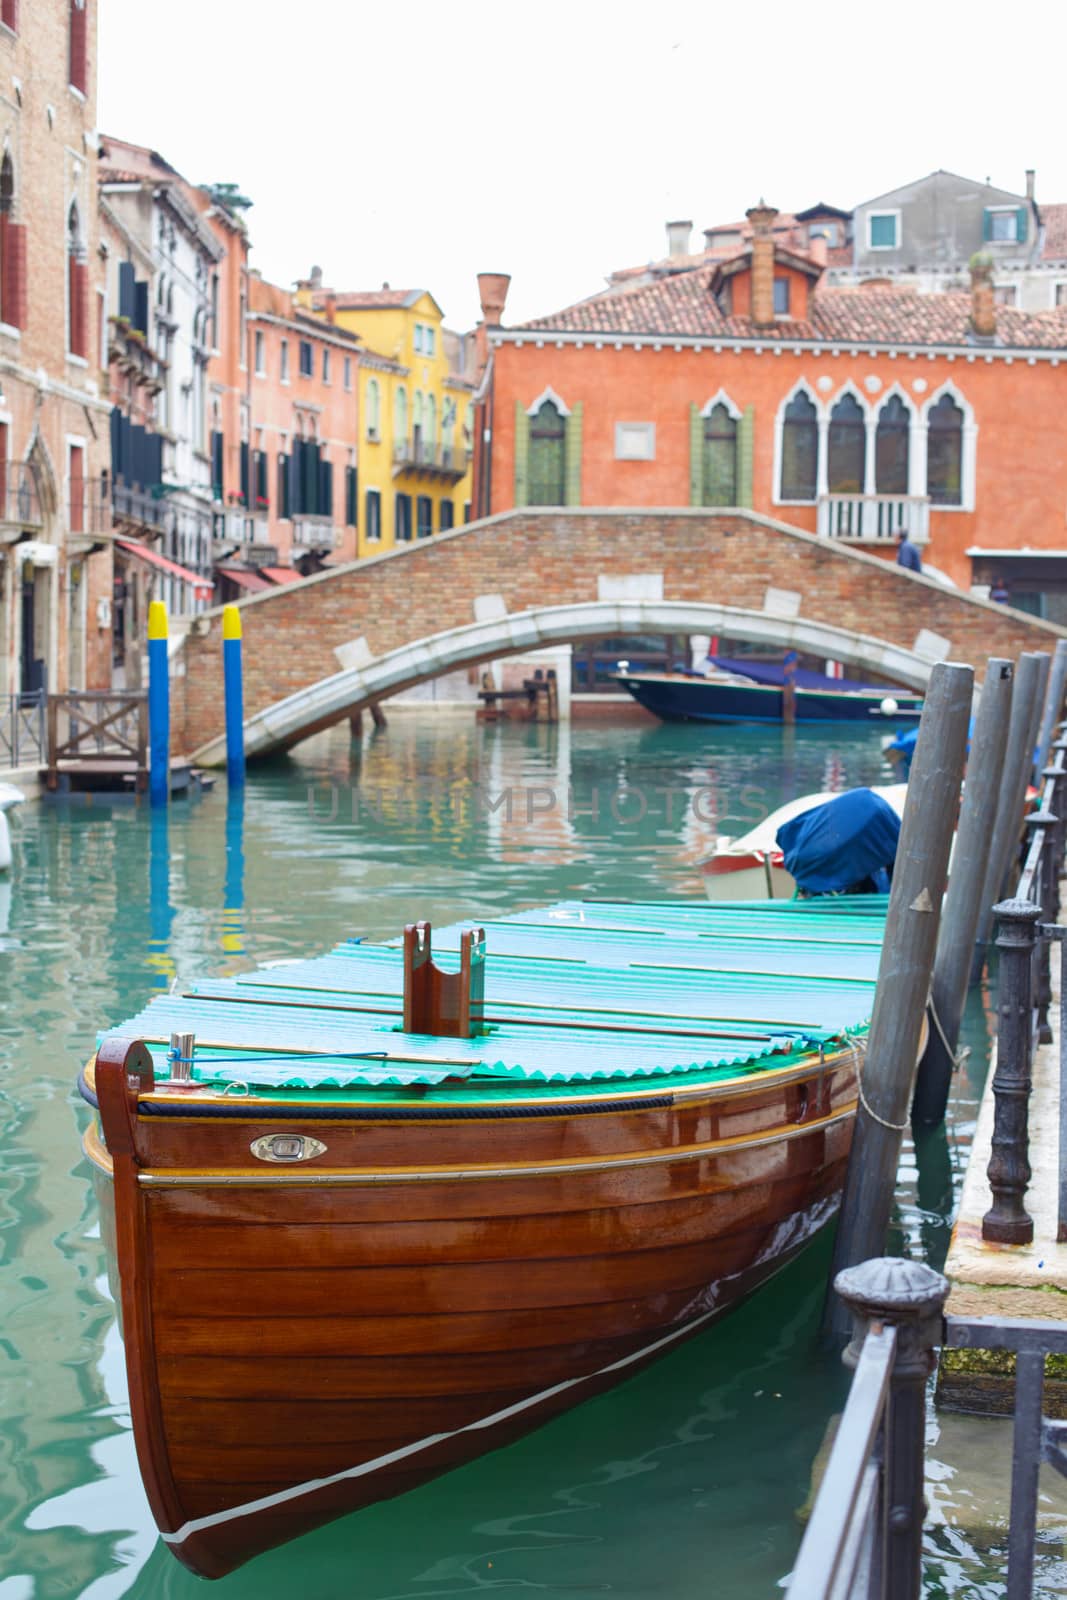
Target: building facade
[(414, 447), (851, 412), (55, 564)]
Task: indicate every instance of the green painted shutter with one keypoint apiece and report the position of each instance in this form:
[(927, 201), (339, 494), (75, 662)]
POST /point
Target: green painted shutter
[(696, 456), (1022, 227), (522, 455), (573, 482), (746, 432), (987, 224)]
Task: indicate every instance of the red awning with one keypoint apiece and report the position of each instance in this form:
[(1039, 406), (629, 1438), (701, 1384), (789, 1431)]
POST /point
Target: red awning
[(144, 552), (282, 574), (244, 578)]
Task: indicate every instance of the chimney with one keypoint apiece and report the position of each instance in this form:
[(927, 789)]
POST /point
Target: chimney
[(983, 307), (678, 238), (762, 219), (817, 249), (331, 306), (316, 279), (493, 293), (1031, 177)]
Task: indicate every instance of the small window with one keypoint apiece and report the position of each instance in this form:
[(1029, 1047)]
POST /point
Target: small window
[(1004, 224), (351, 496), (374, 410), (373, 523), (428, 341), (285, 361), (1005, 294), (325, 366), (825, 230), (1061, 294), (261, 356), (635, 441), (424, 516), (883, 230), (781, 297), (307, 359), (403, 517), (447, 516), (348, 373), (417, 341)]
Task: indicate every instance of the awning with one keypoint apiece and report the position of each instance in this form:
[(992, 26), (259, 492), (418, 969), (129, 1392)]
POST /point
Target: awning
[(244, 578), (282, 574), (143, 552)]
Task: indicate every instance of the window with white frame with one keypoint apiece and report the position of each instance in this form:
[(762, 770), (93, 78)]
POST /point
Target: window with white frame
[(428, 340), (348, 373), (261, 355), (417, 339), (325, 365), (285, 361), (1060, 294), (374, 410), (635, 441), (799, 451), (883, 230)]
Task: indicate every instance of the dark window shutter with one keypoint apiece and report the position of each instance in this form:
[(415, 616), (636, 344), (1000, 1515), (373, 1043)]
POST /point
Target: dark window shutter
[(78, 309), (155, 459), (351, 497), (373, 523), (987, 224), (325, 488), (244, 473), (217, 464), (140, 304), (283, 486), (446, 515), (1022, 226), (127, 291), (116, 438), (9, 14), (79, 42)]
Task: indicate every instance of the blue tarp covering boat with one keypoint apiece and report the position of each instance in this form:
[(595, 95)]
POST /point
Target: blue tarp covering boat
[(848, 843)]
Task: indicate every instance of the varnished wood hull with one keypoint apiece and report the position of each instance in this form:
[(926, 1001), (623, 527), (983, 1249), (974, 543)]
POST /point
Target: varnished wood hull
[(301, 1344)]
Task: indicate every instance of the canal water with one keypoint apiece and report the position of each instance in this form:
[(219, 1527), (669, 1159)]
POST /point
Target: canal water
[(683, 1483)]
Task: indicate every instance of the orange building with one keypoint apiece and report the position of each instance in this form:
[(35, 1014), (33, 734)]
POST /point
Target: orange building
[(55, 571), (852, 412)]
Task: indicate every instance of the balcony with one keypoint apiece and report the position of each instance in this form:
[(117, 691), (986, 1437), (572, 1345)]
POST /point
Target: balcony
[(445, 461), (89, 515), (873, 518), (315, 533), (20, 501), (128, 349), (138, 507)]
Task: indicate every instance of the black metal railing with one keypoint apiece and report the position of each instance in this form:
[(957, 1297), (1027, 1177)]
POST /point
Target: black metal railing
[(864, 1537), (450, 460), (22, 729), (136, 505), (89, 506)]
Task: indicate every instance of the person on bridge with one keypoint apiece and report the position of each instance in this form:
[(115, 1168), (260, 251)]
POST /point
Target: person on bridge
[(908, 555)]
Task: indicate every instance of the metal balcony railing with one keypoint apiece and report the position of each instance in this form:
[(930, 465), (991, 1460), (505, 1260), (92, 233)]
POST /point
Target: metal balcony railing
[(136, 505), (424, 455), (874, 518), (317, 533), (20, 498), (89, 505)]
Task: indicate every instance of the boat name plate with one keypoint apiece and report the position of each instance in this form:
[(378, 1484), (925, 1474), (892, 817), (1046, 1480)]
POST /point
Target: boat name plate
[(287, 1147)]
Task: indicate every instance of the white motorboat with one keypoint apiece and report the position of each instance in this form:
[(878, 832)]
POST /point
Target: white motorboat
[(752, 867), (9, 796)]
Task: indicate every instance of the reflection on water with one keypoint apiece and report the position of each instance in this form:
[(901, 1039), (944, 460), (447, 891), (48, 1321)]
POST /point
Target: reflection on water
[(694, 1467)]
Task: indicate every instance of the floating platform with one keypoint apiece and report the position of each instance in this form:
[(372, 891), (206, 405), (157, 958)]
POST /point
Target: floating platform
[(351, 1256)]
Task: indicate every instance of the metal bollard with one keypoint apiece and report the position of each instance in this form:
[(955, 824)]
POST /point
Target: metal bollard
[(1042, 893), (1007, 1220), (911, 1296)]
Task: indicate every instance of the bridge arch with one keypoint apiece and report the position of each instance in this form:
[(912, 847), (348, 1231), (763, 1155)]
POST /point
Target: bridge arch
[(318, 705)]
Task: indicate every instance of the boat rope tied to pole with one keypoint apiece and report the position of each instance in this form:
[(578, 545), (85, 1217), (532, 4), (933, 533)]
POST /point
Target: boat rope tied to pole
[(858, 1043), (957, 1056)]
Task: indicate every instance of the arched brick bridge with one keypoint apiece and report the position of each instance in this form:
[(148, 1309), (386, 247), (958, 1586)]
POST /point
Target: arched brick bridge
[(318, 650)]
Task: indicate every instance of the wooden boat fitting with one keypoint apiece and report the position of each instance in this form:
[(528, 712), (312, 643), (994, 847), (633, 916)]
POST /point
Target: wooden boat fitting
[(343, 1271)]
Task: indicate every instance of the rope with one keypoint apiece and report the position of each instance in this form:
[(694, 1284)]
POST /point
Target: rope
[(859, 1047), (957, 1057)]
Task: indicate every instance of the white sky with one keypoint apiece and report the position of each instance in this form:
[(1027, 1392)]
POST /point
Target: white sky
[(419, 143)]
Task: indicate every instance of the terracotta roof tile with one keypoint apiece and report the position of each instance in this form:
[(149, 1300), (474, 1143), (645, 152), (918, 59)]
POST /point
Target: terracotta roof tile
[(683, 306), (367, 299)]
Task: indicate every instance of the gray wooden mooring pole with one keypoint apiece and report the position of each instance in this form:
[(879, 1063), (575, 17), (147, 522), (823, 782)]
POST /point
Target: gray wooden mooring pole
[(963, 902), (1029, 678), (887, 1070), (1057, 683)]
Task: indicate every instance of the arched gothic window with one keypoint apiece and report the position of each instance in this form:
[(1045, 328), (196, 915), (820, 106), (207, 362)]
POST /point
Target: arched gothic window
[(547, 457), (944, 453), (800, 449), (400, 415), (416, 421), (892, 440), (431, 422), (847, 447), (720, 457)]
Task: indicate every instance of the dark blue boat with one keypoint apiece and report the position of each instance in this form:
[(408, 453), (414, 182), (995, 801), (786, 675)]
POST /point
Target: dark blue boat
[(752, 691)]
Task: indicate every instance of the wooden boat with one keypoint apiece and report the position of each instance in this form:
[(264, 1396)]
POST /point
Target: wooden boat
[(752, 865), (351, 1253), (751, 691)]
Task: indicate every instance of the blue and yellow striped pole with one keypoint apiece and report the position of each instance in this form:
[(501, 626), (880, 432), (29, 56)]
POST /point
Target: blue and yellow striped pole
[(158, 706), (235, 716)]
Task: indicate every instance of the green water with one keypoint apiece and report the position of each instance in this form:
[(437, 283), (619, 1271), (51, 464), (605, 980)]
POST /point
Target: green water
[(684, 1482)]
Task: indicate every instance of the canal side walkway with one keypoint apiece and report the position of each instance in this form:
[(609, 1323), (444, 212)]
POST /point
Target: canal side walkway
[(1004, 1280)]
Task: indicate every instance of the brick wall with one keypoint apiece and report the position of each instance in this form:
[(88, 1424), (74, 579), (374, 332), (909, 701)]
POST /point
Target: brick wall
[(535, 558)]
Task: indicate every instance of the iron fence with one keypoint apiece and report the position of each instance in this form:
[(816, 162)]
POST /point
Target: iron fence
[(22, 729)]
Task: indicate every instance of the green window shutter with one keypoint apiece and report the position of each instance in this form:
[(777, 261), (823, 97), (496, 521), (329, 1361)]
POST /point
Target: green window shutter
[(574, 457), (987, 225), (696, 456), (522, 456), (746, 432), (1022, 227)]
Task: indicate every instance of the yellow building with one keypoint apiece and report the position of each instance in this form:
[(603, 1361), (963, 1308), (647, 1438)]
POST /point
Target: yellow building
[(415, 414)]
